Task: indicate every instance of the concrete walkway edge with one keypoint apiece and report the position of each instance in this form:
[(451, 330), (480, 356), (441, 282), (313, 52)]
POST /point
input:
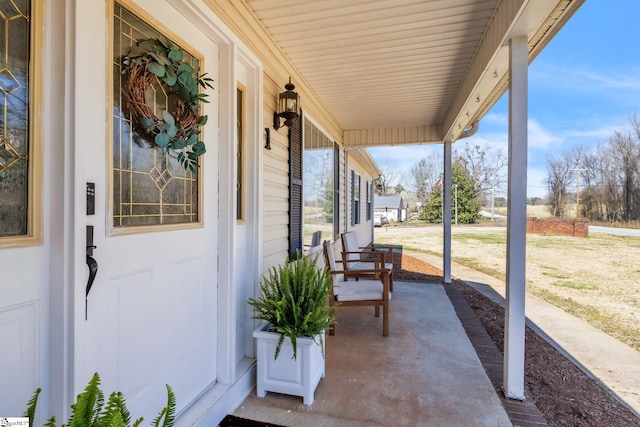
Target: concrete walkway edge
[(614, 364)]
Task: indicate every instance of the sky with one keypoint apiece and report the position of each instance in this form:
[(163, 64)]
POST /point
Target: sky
[(582, 87)]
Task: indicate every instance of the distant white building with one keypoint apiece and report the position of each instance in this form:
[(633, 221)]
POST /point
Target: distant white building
[(393, 208)]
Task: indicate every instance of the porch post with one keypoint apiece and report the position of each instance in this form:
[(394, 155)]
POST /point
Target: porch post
[(516, 222), (446, 214)]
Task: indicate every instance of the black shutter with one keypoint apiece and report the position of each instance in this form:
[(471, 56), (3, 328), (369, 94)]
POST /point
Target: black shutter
[(336, 190), (368, 201), (359, 202), (353, 199), (295, 188)]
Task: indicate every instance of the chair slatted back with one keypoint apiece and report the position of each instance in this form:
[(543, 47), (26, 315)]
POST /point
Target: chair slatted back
[(350, 244), (330, 258), (315, 238)]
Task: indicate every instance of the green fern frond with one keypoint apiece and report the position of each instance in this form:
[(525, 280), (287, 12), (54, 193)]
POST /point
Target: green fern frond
[(156, 421), (124, 412), (115, 412), (83, 411), (90, 410), (171, 408), (31, 407), (166, 417), (293, 299), (117, 420), (97, 408)]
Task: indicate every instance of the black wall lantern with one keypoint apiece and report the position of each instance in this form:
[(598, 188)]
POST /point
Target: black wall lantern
[(288, 106)]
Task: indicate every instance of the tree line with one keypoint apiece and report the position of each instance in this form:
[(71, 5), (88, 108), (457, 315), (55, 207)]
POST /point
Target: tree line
[(605, 179), (602, 183), (477, 178)]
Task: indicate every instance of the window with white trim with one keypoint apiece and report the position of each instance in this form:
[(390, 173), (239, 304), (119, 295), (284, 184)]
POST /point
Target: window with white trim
[(355, 197), (318, 186)]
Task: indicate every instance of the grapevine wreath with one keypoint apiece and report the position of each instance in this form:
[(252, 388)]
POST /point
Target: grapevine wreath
[(178, 131)]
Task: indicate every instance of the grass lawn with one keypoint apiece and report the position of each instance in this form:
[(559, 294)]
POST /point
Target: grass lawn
[(595, 278)]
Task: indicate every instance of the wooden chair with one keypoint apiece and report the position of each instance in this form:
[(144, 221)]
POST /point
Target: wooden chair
[(315, 238), (359, 257), (363, 292)]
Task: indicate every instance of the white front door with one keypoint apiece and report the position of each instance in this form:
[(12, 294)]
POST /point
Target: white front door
[(151, 314), (29, 139)]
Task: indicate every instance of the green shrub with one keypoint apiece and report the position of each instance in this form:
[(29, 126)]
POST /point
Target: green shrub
[(90, 409), (293, 299)]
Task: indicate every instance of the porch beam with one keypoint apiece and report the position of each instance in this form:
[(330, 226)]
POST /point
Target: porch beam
[(486, 78), (516, 222), (485, 71), (446, 214), (429, 134)]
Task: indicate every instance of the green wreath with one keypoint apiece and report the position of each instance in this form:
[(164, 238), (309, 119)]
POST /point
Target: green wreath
[(152, 59)]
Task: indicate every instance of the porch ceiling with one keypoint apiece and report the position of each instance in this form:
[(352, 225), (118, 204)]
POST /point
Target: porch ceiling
[(407, 71)]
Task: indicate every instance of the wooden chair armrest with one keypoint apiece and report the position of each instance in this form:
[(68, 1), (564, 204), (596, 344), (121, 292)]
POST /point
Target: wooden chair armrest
[(347, 261), (367, 271), (377, 263), (384, 248), (367, 251), (363, 253), (367, 256), (388, 250)]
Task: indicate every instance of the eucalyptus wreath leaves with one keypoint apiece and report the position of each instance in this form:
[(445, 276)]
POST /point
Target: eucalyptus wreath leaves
[(152, 59)]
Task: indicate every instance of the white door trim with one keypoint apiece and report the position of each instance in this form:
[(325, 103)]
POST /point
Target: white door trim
[(231, 50)]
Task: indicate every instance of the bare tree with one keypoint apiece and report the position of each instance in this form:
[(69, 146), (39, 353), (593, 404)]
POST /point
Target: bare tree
[(485, 165), (611, 197), (422, 176), (590, 194), (625, 150), (386, 182), (600, 196), (558, 179), (610, 177)]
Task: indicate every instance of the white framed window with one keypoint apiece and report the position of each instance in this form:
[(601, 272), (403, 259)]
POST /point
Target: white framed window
[(356, 180), (319, 185)]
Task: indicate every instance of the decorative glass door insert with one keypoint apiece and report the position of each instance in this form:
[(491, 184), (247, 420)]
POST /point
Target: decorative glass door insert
[(15, 40), (150, 186)]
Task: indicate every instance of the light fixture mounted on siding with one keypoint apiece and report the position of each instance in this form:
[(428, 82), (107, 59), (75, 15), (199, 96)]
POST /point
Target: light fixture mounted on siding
[(288, 106)]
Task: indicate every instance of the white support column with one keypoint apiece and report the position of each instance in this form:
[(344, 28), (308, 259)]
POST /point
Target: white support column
[(446, 214), (517, 221)]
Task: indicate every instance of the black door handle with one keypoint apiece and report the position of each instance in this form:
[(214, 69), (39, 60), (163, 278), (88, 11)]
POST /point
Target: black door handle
[(93, 266), (93, 270)]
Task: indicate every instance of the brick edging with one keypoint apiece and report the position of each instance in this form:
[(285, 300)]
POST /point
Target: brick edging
[(521, 413)]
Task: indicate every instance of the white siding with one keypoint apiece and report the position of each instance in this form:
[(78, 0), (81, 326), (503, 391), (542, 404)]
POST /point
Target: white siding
[(275, 196), (365, 228), (344, 206)]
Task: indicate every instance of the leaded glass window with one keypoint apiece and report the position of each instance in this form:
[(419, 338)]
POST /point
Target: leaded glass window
[(150, 186), (15, 19)]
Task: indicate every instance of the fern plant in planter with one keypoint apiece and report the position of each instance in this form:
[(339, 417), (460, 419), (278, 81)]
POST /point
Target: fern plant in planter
[(294, 303), (90, 409)]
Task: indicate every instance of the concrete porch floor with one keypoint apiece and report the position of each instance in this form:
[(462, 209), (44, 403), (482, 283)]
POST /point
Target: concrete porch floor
[(426, 373)]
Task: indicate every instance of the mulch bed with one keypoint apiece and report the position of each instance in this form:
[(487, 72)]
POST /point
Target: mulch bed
[(562, 392)]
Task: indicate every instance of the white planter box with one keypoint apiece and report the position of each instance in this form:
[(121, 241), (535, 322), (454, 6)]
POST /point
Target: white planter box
[(298, 377)]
